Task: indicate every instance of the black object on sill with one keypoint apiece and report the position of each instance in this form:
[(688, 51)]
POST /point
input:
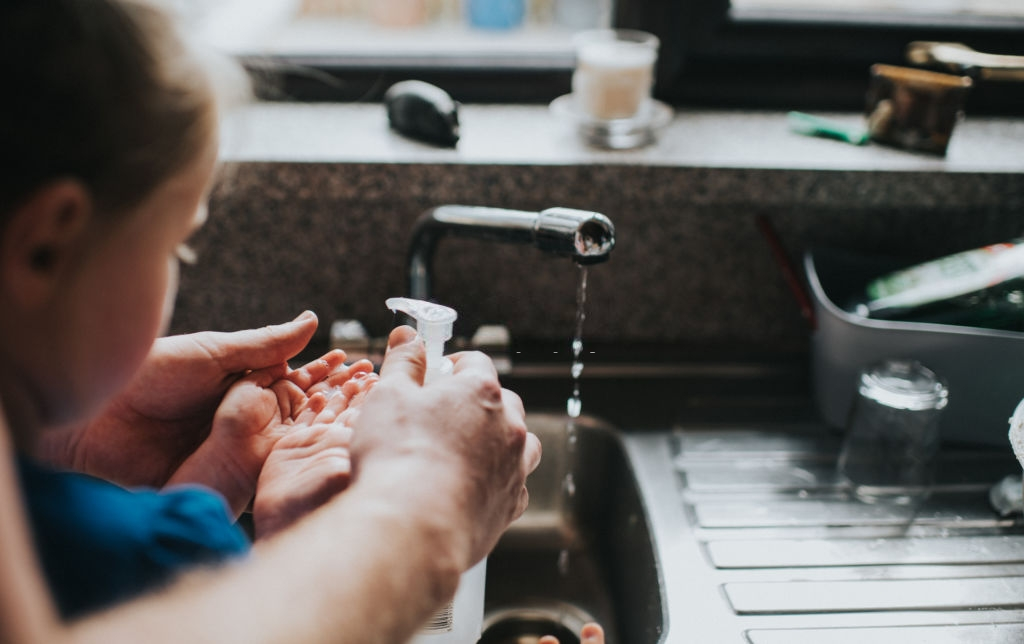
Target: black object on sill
[(423, 112)]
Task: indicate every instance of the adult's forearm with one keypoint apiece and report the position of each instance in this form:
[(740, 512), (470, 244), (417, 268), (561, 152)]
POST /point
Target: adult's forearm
[(359, 570)]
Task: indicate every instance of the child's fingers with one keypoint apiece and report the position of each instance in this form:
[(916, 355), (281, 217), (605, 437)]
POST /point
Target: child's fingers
[(332, 408), (341, 376), (337, 402), (357, 369), (358, 385), (333, 401), (316, 403), (313, 372), (291, 400)]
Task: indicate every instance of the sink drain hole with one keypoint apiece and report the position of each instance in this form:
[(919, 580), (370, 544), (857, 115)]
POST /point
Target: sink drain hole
[(527, 624)]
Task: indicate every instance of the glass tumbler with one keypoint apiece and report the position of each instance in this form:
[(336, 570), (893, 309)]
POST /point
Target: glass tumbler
[(892, 438)]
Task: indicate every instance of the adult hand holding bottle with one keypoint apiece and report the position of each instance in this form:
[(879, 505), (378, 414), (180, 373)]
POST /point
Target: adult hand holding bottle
[(454, 453)]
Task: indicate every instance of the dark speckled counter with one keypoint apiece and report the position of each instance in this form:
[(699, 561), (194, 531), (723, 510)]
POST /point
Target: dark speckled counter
[(316, 203)]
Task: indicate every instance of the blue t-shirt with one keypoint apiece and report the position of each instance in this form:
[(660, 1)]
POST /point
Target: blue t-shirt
[(100, 543)]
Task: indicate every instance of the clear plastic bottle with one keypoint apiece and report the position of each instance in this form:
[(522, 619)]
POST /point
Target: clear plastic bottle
[(460, 621)]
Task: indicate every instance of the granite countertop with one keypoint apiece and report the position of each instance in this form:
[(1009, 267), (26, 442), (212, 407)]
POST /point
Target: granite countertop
[(318, 201), (532, 135)]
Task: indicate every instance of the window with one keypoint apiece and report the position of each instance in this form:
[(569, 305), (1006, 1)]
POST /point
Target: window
[(480, 50), (781, 54), (815, 54), (894, 9)]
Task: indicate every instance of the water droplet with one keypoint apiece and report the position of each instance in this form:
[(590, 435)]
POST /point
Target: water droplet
[(573, 407), (563, 562), (577, 346), (577, 369), (569, 484)]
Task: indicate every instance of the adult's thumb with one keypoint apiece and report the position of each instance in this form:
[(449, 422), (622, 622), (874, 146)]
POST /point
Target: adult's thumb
[(257, 348), (406, 356)]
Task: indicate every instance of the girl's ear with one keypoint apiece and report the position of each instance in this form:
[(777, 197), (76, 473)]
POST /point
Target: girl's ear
[(42, 236)]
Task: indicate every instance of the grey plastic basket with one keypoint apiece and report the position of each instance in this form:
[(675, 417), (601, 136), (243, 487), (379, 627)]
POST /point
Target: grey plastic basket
[(984, 367)]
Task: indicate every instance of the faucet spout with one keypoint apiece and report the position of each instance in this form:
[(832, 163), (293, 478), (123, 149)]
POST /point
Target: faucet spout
[(586, 237)]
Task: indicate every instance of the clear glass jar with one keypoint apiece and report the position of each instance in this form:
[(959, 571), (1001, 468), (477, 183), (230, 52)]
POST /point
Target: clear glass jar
[(892, 438)]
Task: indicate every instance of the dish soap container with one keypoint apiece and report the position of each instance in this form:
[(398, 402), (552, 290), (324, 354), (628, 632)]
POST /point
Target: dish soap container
[(982, 287), (460, 621)]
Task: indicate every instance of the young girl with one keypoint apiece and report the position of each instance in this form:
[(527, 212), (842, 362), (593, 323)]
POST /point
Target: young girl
[(108, 135)]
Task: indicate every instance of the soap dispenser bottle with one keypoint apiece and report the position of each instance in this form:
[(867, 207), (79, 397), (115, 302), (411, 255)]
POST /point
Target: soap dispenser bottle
[(460, 620)]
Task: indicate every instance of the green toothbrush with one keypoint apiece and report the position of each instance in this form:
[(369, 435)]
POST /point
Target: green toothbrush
[(817, 126)]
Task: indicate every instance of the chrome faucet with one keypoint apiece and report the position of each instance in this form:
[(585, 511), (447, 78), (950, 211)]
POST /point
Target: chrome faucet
[(586, 237)]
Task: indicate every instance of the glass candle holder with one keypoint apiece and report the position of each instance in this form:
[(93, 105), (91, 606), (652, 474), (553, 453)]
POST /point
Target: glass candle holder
[(614, 73)]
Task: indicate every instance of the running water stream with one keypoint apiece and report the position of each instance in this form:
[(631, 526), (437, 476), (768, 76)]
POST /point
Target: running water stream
[(574, 405)]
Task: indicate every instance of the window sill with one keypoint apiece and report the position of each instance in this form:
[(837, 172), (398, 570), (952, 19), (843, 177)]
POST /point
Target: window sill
[(531, 135)]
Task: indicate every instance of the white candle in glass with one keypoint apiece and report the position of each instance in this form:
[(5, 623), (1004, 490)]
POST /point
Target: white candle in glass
[(614, 72)]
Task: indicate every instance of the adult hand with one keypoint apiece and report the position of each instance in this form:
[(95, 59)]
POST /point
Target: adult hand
[(149, 429), (456, 451)]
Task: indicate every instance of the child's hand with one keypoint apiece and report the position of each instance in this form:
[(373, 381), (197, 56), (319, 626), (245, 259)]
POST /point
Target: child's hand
[(257, 411), (310, 464), (591, 633)]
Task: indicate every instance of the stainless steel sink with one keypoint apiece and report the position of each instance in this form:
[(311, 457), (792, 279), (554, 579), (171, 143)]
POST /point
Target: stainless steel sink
[(583, 550), (761, 544)]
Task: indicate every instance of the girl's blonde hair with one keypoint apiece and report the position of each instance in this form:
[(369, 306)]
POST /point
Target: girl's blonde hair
[(103, 91)]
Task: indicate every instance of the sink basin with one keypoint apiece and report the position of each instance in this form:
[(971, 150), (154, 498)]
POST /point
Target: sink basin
[(582, 551)]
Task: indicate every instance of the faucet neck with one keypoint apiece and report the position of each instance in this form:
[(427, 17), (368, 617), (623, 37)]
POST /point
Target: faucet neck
[(587, 237)]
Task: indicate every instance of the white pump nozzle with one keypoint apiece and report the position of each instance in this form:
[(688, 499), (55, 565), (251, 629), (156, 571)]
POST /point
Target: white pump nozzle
[(433, 324)]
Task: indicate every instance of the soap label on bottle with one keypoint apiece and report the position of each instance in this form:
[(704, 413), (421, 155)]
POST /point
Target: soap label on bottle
[(442, 621)]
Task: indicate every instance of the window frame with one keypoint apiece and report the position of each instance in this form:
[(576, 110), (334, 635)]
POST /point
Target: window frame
[(711, 55), (714, 55)]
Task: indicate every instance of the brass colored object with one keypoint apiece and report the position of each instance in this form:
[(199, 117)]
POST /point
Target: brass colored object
[(961, 59), (913, 108)]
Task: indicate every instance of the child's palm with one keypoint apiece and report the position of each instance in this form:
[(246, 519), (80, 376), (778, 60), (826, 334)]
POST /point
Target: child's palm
[(263, 407), (310, 463), (255, 414)]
